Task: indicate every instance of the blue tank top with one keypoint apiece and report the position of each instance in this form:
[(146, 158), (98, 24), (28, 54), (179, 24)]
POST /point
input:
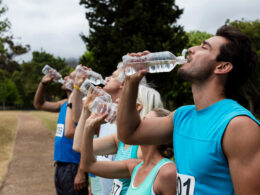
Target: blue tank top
[(63, 146), (123, 154), (201, 164)]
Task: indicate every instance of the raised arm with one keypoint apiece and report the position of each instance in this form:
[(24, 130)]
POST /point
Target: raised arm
[(39, 100), (108, 169), (70, 126), (131, 130), (241, 145)]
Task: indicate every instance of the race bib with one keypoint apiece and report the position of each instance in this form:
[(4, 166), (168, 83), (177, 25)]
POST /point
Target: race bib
[(59, 130), (116, 187), (185, 184)]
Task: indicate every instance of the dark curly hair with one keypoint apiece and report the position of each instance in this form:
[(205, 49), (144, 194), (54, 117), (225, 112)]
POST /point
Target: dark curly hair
[(166, 150), (240, 53)]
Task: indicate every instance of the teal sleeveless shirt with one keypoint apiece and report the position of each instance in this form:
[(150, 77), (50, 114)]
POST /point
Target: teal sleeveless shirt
[(202, 167), (123, 154), (145, 188)]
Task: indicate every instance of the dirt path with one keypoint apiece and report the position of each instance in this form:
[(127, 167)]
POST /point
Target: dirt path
[(31, 170)]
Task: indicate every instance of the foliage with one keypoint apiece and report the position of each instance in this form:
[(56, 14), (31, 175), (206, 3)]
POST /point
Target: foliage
[(118, 27), (8, 49), (29, 76), (250, 93)]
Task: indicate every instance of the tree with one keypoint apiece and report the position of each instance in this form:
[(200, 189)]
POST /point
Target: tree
[(8, 92), (29, 76), (8, 49), (118, 27), (250, 92)]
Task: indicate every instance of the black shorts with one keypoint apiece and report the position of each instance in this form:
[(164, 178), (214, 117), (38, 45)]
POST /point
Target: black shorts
[(65, 174)]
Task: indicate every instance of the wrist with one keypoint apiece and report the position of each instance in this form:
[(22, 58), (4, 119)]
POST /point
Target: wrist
[(43, 83), (76, 86), (69, 105)]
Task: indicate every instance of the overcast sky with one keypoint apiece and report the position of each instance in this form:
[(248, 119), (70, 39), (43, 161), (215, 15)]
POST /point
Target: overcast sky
[(55, 25)]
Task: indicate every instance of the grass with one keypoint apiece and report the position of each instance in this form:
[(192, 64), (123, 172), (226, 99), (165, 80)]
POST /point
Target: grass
[(8, 130), (49, 119)]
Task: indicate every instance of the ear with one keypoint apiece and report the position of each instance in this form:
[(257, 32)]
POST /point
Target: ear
[(139, 107), (223, 68)]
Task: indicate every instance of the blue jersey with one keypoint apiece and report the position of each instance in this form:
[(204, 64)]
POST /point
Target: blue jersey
[(201, 164), (63, 146)]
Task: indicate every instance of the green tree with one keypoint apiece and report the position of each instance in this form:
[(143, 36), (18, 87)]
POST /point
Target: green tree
[(118, 27), (29, 76), (9, 95), (250, 92), (8, 49)]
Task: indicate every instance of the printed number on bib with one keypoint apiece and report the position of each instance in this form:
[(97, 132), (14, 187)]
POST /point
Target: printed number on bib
[(116, 187), (185, 184), (60, 129)]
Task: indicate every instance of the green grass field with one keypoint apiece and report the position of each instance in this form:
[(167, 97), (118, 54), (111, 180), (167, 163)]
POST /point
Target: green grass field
[(8, 130), (49, 119)]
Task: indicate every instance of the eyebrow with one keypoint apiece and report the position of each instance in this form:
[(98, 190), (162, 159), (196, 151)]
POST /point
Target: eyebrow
[(207, 43)]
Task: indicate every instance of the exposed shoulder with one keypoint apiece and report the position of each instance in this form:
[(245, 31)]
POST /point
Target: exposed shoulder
[(167, 172), (165, 181), (242, 135)]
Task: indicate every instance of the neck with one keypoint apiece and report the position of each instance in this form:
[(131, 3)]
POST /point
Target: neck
[(115, 95), (151, 155), (207, 94)]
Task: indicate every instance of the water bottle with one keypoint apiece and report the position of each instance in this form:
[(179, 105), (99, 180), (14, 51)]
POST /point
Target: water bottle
[(153, 62), (69, 84), (92, 76), (49, 70), (99, 106), (87, 84)]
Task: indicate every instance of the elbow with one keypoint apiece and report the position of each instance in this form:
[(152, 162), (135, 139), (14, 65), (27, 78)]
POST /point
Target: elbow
[(36, 106), (69, 135)]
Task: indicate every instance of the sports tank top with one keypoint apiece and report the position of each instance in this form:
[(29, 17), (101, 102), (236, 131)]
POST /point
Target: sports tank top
[(202, 167), (146, 187)]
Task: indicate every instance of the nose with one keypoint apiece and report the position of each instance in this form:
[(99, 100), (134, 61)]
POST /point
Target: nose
[(191, 50)]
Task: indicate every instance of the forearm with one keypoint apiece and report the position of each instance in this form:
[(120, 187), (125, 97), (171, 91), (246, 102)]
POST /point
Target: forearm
[(69, 124), (39, 96), (79, 130), (128, 117), (77, 104), (87, 157)]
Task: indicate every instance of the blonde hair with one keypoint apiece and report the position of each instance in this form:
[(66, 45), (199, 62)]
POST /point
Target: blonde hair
[(149, 98)]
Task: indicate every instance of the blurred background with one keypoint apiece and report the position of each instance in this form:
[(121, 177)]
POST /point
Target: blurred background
[(97, 33)]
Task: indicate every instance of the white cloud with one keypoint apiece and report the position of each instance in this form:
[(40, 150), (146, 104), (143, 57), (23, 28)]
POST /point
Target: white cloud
[(55, 25), (52, 25), (208, 15)]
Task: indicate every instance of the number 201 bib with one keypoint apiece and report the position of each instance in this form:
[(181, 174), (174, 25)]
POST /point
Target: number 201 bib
[(185, 184)]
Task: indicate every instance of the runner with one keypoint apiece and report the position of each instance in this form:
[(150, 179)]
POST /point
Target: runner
[(156, 175), (69, 179), (148, 99), (216, 141)]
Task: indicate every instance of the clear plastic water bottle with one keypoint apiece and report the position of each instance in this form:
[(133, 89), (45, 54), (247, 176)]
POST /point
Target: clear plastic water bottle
[(92, 76), (153, 62), (69, 84), (87, 84), (99, 106), (49, 70)]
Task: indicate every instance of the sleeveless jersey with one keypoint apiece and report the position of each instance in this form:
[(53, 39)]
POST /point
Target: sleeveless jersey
[(146, 187), (121, 186), (201, 164), (63, 146)]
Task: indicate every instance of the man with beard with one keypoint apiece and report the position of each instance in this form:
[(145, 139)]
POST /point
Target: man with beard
[(216, 141)]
